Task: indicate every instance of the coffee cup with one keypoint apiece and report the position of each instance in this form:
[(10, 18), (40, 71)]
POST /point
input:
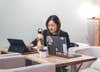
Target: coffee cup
[(43, 53)]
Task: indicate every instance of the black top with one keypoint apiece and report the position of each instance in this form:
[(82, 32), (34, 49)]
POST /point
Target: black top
[(47, 33)]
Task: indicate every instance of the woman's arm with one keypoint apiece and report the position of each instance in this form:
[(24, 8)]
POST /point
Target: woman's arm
[(32, 44), (68, 41)]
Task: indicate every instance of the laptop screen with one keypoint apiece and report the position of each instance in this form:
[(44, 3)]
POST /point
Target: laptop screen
[(17, 45), (56, 44)]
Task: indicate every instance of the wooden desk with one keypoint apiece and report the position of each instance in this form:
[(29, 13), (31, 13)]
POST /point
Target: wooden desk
[(5, 51), (59, 61)]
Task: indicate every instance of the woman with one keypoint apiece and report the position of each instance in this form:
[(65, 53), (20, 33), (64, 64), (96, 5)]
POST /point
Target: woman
[(53, 26)]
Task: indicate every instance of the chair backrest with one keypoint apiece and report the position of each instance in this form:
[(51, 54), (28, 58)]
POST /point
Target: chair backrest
[(13, 61), (91, 51), (46, 67), (95, 50)]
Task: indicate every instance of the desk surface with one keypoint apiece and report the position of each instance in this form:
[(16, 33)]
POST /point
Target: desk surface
[(6, 51), (58, 61)]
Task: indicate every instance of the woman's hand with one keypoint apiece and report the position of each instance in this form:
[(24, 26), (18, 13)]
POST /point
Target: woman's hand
[(30, 46)]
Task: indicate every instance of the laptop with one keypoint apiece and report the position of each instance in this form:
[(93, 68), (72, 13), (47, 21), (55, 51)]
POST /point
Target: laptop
[(57, 46), (17, 45)]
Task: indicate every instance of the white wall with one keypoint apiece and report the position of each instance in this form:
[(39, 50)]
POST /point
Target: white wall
[(21, 18)]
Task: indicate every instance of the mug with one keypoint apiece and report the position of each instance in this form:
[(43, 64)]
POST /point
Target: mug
[(43, 53)]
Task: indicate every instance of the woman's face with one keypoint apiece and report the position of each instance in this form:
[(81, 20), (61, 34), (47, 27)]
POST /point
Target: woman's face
[(52, 26)]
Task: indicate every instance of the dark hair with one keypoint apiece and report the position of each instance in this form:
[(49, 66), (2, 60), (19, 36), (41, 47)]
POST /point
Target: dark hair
[(56, 21)]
